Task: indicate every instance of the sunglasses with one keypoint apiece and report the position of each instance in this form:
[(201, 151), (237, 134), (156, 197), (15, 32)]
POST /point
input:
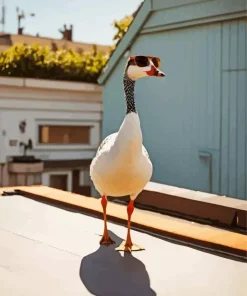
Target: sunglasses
[(144, 61)]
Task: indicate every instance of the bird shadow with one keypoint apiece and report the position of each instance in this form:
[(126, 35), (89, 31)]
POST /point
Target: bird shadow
[(108, 273)]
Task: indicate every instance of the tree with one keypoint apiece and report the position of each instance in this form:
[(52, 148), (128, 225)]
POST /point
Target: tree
[(122, 27)]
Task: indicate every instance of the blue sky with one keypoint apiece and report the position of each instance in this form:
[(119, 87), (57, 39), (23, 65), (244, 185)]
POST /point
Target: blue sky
[(91, 19)]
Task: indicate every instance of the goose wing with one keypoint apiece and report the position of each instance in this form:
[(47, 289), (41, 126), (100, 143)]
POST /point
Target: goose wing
[(106, 144), (145, 153)]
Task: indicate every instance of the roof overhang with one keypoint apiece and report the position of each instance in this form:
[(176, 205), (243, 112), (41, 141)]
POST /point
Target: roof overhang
[(49, 84), (128, 39), (194, 12)]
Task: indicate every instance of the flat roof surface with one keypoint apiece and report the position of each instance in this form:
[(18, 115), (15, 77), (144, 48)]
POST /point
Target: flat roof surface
[(200, 234), (45, 250)]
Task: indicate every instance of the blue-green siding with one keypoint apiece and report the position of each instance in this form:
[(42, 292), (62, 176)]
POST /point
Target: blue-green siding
[(234, 109), (199, 109)]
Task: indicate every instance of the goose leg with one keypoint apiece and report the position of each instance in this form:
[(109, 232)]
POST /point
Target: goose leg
[(105, 240), (127, 245)]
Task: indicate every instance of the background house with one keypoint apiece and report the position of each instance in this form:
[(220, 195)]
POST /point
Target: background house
[(66, 42), (194, 122), (59, 122), (63, 121)]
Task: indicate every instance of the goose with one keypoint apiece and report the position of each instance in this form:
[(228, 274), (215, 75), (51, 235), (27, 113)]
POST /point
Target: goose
[(121, 166)]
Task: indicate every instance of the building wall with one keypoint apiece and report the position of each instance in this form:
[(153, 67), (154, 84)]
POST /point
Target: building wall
[(44, 103), (182, 116), (47, 106), (234, 109), (10, 126)]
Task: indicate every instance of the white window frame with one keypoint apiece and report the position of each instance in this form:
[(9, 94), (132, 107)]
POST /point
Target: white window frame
[(50, 147)]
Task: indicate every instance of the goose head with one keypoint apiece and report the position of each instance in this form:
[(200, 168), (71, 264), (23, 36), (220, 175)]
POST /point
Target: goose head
[(143, 66)]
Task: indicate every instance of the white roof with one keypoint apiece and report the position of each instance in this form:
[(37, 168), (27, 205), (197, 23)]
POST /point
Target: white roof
[(46, 250)]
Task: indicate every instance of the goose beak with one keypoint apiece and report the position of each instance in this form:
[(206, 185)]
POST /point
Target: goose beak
[(155, 72), (160, 74)]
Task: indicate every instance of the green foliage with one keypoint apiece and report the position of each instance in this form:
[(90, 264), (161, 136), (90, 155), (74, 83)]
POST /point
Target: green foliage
[(122, 27), (37, 61)]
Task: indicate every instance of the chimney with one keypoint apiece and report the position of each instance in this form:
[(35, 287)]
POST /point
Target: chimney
[(67, 33), (70, 37)]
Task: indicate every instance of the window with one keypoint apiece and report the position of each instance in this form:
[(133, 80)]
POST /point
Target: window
[(64, 134)]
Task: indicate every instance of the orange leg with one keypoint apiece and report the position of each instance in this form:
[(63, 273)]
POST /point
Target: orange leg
[(130, 210), (127, 245), (105, 240)]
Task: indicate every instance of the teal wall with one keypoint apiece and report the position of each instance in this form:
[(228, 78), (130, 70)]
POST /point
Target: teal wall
[(198, 110), (234, 109)]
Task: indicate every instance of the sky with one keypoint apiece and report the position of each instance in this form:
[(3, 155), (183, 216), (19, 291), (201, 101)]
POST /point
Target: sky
[(92, 19)]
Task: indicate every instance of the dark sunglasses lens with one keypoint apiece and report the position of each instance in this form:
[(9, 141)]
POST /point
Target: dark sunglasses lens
[(141, 61), (156, 62)]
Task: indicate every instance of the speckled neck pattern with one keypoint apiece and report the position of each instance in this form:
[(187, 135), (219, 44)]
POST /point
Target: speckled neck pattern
[(129, 87)]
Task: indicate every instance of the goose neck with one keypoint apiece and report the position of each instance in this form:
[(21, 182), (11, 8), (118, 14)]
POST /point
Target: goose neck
[(129, 93)]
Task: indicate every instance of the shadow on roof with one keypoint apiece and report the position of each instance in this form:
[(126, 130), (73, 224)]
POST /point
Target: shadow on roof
[(109, 273)]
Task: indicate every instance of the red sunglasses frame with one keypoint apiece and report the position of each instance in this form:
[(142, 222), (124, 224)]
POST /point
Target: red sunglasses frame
[(150, 58)]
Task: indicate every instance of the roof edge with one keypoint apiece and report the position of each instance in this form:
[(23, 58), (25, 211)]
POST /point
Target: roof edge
[(205, 9), (206, 236), (49, 84), (128, 38), (4, 35)]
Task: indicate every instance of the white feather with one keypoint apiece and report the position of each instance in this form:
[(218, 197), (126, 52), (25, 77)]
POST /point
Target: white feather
[(135, 72), (122, 166)]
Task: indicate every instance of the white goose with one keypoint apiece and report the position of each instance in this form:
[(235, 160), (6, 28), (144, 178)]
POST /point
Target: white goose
[(122, 166)]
